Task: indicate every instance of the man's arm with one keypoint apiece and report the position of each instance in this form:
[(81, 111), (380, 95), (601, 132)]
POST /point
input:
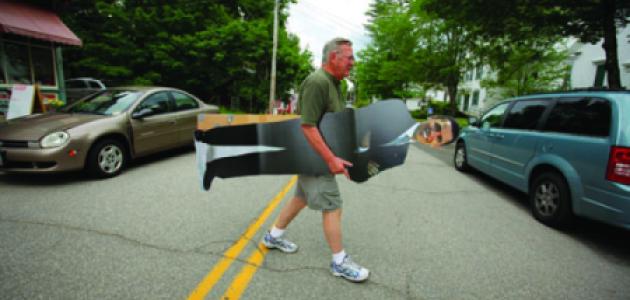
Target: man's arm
[(335, 164)]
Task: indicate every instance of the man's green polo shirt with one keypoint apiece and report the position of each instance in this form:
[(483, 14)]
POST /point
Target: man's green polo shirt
[(319, 93)]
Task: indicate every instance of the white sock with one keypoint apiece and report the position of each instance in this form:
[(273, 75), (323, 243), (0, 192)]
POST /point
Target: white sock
[(276, 232), (339, 256)]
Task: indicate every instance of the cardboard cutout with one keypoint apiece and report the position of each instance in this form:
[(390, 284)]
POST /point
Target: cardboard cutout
[(373, 139)]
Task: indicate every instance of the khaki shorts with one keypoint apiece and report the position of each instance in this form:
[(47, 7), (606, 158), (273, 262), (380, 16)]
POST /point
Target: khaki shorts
[(320, 192)]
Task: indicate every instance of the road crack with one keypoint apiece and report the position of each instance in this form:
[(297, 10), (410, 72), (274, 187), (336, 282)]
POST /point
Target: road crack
[(196, 250)]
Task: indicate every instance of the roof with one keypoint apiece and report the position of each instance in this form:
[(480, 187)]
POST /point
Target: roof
[(23, 19)]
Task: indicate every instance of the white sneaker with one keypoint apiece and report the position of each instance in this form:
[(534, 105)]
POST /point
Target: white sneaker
[(281, 244), (349, 270)]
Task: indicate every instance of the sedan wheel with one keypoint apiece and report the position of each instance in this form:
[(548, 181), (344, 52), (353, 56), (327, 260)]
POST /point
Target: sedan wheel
[(551, 200), (107, 158), (110, 159)]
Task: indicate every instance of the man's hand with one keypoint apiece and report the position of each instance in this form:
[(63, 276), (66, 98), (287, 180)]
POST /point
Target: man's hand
[(337, 165)]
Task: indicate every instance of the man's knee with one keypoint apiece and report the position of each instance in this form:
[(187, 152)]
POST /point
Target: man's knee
[(298, 200)]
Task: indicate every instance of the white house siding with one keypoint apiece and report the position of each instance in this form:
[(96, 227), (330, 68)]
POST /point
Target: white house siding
[(584, 60), (470, 85), (587, 57)]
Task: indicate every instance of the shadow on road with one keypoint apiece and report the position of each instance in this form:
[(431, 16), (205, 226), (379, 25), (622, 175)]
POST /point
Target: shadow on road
[(609, 241), (66, 178)]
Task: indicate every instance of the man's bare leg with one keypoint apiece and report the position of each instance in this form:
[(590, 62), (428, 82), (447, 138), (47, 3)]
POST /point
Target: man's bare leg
[(289, 211), (341, 265), (273, 239), (332, 229)]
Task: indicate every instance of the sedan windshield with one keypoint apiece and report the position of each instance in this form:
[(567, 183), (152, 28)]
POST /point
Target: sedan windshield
[(110, 102)]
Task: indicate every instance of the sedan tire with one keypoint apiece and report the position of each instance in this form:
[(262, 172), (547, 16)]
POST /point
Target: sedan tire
[(550, 200), (107, 158)]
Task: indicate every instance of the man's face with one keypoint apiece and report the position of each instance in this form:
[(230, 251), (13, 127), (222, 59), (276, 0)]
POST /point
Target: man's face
[(343, 61)]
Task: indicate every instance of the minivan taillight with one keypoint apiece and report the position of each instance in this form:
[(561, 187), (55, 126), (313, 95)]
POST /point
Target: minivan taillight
[(619, 165)]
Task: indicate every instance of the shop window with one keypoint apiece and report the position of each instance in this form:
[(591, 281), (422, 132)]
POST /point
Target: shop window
[(43, 65), (17, 63), (22, 63), (3, 78)]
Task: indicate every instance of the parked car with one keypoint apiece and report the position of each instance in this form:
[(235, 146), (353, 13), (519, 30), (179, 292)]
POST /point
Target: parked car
[(101, 133), (569, 151), (77, 88)]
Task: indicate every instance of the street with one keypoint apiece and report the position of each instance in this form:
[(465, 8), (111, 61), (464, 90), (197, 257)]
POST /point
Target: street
[(424, 230)]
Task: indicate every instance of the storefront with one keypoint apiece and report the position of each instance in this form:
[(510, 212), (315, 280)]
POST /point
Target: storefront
[(30, 50)]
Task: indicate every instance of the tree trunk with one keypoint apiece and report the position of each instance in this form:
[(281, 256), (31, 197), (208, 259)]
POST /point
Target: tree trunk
[(452, 96), (610, 44)]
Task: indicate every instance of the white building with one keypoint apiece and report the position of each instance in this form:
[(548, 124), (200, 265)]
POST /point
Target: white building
[(588, 62), (471, 96), (587, 70)]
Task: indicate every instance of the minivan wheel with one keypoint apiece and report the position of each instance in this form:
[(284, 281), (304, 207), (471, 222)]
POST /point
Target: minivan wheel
[(107, 158), (550, 200), (460, 160)]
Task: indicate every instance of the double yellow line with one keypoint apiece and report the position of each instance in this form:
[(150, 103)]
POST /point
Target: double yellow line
[(239, 284)]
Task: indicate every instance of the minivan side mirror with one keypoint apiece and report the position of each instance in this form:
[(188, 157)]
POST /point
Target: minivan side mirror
[(142, 113)]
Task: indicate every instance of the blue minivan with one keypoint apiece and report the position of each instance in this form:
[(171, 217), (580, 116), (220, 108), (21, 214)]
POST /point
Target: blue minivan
[(570, 152)]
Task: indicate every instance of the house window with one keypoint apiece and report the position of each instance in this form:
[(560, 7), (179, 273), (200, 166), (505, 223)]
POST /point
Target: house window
[(468, 75), (24, 63), (479, 73), (475, 98), (466, 102)]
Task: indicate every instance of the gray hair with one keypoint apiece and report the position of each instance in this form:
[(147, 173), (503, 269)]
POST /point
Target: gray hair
[(333, 45)]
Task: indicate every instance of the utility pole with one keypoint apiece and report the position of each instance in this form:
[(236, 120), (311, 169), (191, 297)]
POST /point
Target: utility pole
[(272, 87)]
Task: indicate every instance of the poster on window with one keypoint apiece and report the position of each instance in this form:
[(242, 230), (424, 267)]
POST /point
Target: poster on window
[(21, 101)]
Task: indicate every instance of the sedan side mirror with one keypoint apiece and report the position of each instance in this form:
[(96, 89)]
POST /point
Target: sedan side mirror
[(142, 113), (472, 121)]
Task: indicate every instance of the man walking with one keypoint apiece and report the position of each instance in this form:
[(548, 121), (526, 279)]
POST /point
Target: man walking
[(321, 93)]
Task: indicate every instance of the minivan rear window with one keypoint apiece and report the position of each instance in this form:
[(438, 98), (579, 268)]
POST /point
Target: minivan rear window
[(583, 116), (525, 114)]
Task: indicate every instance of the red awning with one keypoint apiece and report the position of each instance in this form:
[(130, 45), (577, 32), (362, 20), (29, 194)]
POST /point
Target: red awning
[(26, 20)]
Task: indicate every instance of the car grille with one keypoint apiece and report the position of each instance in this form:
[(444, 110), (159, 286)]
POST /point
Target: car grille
[(14, 144)]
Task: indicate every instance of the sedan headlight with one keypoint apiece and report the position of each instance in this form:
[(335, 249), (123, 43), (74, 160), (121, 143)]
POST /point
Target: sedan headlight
[(55, 139)]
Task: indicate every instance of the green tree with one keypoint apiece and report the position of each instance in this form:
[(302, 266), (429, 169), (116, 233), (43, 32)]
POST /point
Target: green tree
[(413, 48), (529, 68), (519, 21), (218, 50), (386, 68)]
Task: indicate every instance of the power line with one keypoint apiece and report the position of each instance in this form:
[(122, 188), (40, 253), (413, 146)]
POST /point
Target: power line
[(318, 12)]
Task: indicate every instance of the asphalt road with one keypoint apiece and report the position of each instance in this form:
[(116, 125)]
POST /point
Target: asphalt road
[(424, 230)]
